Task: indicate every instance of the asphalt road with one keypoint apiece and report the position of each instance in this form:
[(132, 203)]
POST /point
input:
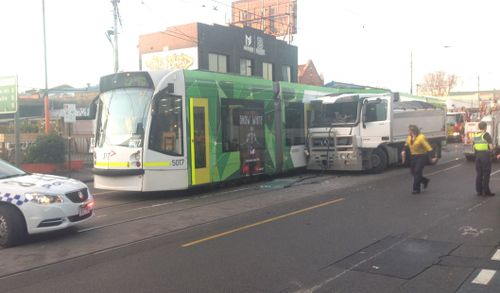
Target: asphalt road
[(306, 233)]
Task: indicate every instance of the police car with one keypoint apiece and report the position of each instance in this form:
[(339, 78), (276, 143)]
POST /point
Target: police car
[(36, 203)]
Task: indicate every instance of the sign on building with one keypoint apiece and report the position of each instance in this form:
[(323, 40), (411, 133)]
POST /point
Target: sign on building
[(70, 113), (171, 59), (8, 94)]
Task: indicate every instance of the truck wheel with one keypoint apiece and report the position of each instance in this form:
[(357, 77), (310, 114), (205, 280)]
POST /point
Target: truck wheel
[(378, 160), (12, 226)]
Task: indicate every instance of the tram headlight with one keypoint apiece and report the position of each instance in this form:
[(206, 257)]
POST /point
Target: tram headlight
[(343, 156), (349, 156)]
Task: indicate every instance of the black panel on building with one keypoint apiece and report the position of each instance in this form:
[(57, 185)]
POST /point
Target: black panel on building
[(246, 51)]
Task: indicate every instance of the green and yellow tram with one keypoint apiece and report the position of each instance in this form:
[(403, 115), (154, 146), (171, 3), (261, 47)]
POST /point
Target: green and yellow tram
[(172, 130)]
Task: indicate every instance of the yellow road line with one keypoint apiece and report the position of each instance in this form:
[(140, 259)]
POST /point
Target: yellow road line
[(260, 223)]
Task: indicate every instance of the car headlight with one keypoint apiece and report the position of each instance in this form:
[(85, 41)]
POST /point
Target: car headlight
[(41, 198), (456, 133)]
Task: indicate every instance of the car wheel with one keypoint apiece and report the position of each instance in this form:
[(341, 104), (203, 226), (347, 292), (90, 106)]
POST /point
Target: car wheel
[(12, 227)]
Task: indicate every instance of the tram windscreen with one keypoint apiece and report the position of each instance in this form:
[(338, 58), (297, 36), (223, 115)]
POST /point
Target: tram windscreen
[(122, 117)]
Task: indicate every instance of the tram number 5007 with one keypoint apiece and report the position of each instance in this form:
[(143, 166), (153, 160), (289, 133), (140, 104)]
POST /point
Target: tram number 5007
[(178, 162)]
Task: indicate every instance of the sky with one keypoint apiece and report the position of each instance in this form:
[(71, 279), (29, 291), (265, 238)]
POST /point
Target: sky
[(355, 41)]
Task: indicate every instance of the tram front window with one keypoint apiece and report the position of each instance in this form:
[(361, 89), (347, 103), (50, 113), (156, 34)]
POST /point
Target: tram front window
[(123, 114), (166, 125)]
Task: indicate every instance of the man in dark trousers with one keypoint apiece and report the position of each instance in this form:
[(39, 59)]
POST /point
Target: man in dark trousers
[(483, 145), (419, 148)]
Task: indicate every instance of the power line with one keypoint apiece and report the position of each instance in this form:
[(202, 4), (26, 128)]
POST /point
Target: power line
[(179, 34), (257, 16)]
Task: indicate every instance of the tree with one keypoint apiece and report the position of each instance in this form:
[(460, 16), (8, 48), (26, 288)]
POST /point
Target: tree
[(48, 148), (438, 83)]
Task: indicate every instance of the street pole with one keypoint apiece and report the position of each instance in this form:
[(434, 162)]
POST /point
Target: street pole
[(17, 155), (478, 92), (411, 72), (69, 125), (115, 19), (46, 92)]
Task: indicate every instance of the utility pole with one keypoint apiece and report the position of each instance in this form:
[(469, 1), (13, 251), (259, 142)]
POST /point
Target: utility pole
[(46, 92), (478, 92), (116, 16), (411, 72)]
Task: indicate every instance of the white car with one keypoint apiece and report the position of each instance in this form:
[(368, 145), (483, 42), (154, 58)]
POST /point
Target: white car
[(36, 203)]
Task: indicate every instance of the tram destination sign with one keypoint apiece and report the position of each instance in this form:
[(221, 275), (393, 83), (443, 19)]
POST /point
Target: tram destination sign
[(8, 94)]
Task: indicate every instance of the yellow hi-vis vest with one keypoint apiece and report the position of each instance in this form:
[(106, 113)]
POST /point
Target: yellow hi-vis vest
[(480, 144)]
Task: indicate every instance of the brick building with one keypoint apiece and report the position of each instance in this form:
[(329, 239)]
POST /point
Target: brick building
[(307, 74)]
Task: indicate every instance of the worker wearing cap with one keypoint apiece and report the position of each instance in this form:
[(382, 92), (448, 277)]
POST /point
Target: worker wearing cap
[(483, 146)]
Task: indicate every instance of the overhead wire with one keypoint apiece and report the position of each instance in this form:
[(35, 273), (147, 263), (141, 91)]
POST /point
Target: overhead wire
[(258, 17)]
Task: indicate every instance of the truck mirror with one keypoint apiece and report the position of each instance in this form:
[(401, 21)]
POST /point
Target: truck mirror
[(316, 105), (395, 97), (93, 108), (363, 113)]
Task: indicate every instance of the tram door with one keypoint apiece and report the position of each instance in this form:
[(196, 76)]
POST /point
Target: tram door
[(200, 146)]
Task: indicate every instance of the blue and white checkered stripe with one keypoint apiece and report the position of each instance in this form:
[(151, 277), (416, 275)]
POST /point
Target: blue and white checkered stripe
[(16, 199)]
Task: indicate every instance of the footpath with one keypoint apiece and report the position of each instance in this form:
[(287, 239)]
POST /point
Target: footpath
[(84, 174)]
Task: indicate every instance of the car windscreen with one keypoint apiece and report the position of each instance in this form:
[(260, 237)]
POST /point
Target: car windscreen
[(7, 170)]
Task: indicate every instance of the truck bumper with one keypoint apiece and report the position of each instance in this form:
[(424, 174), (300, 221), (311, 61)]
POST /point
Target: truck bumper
[(338, 161)]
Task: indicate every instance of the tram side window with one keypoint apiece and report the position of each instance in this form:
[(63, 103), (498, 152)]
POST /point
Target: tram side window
[(230, 126), (166, 125), (242, 121), (294, 124)]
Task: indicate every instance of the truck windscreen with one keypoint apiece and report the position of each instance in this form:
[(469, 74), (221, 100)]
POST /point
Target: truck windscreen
[(337, 113)]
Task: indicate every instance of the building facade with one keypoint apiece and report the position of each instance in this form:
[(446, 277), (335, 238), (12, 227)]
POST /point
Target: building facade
[(228, 49)]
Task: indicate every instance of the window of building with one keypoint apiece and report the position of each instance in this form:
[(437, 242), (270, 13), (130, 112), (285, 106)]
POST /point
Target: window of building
[(246, 67), (239, 117), (294, 124), (217, 62), (286, 72), (166, 125), (376, 111), (267, 71)]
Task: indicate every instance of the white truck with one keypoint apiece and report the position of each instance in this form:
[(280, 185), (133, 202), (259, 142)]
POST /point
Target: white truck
[(492, 127), (355, 132)]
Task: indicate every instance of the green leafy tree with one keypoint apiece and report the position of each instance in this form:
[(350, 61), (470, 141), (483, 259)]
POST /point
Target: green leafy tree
[(50, 148)]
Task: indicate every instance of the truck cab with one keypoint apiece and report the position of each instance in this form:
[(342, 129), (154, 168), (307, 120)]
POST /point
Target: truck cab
[(354, 132)]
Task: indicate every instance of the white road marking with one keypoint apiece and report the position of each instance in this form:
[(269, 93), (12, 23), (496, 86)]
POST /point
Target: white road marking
[(104, 192), (161, 204), (484, 277), (494, 172), (443, 170), (496, 256)]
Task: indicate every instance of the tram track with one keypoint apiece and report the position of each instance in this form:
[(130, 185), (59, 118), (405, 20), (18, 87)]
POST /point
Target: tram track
[(214, 200), (186, 198)]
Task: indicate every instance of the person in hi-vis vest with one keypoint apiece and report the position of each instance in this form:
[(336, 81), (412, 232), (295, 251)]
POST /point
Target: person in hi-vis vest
[(483, 146)]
